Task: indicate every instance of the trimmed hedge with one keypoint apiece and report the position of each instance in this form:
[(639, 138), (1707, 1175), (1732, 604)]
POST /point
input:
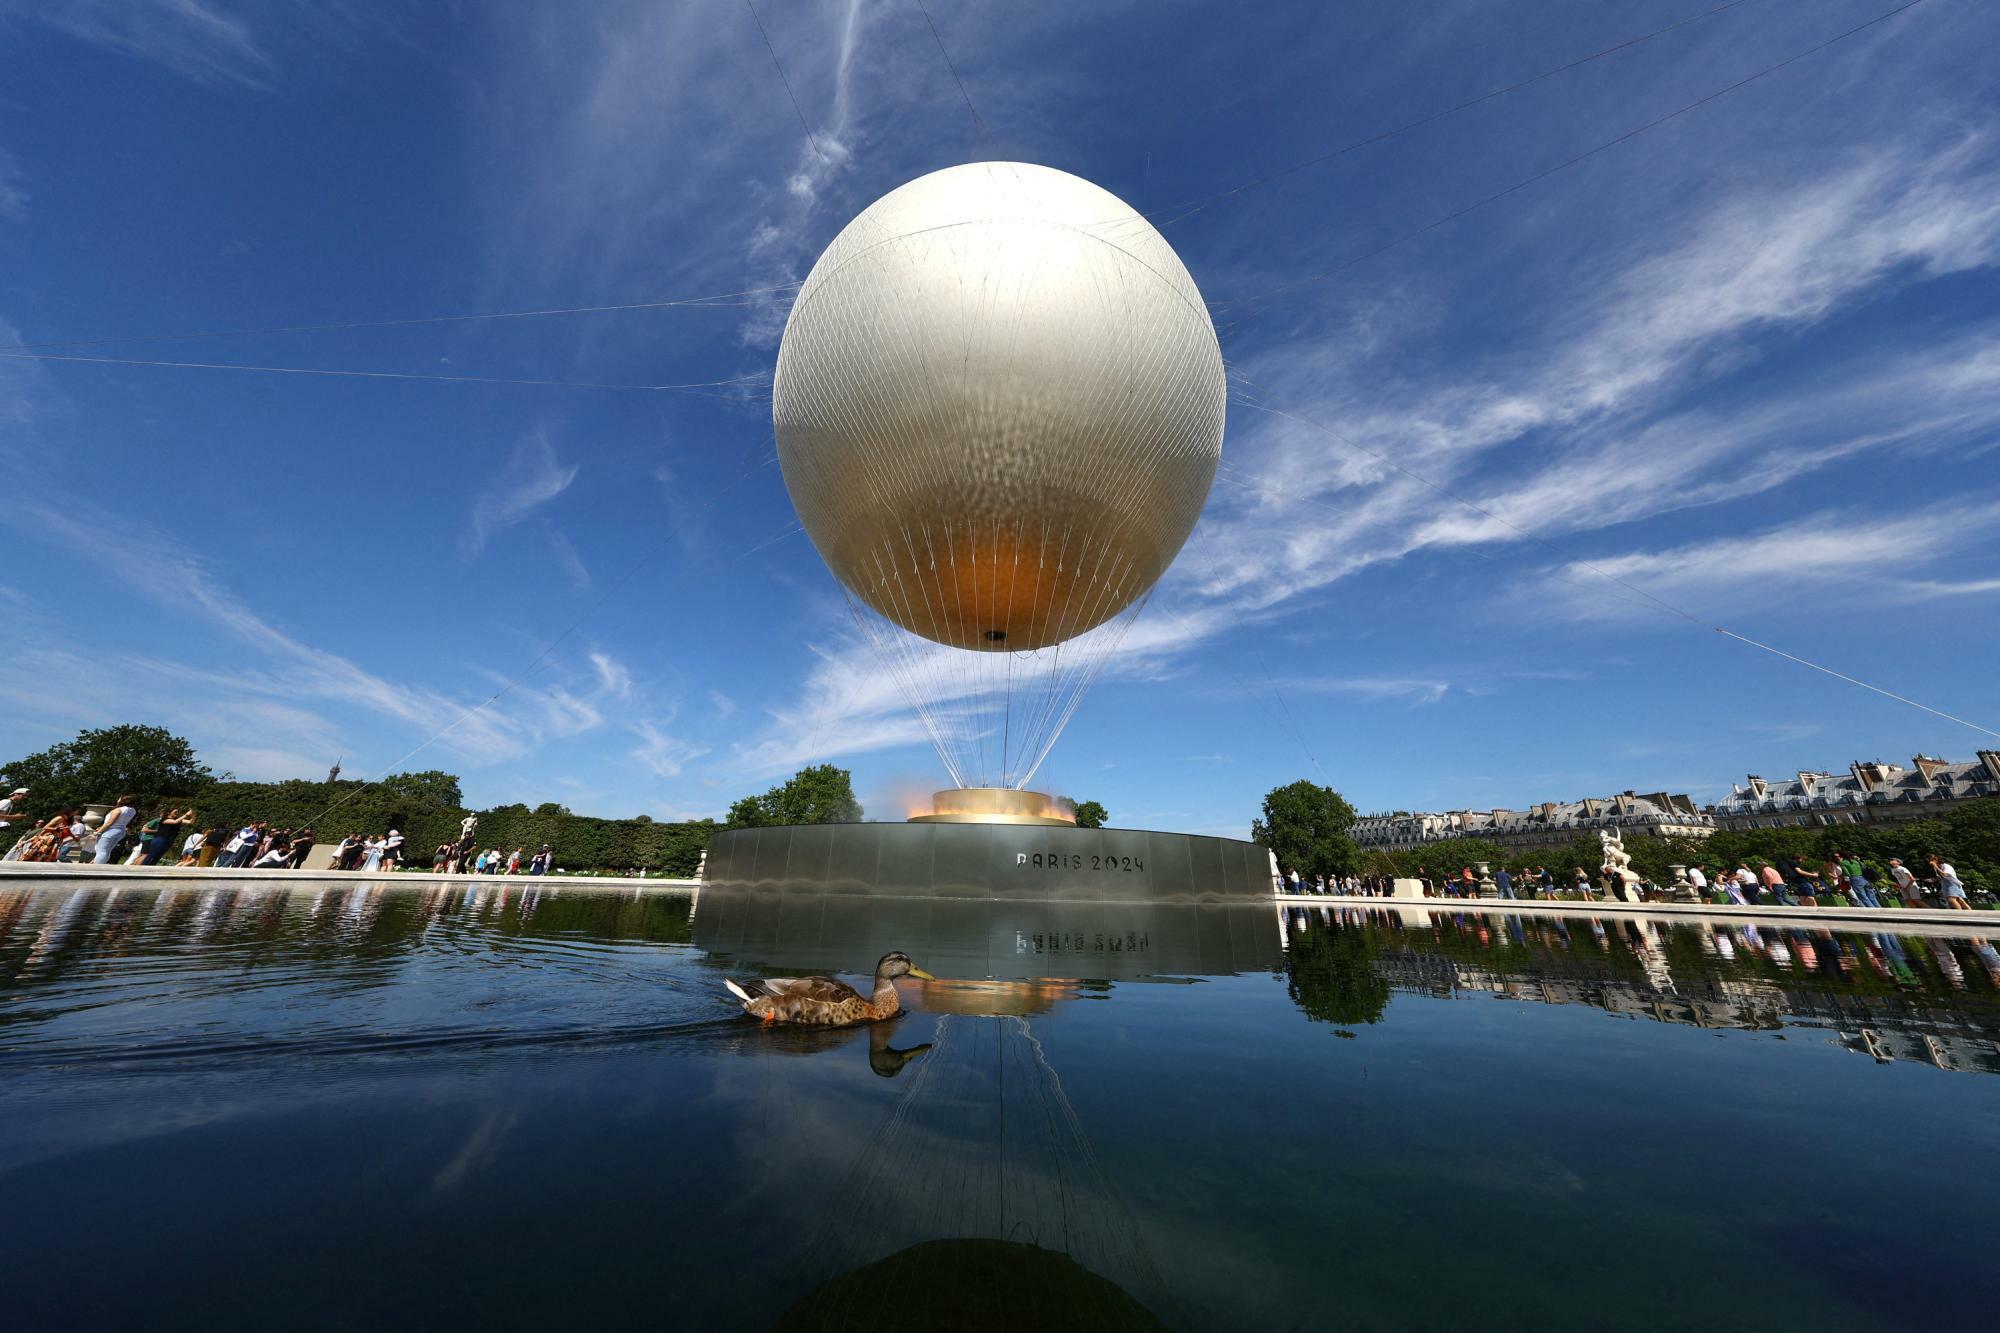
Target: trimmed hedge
[(335, 809)]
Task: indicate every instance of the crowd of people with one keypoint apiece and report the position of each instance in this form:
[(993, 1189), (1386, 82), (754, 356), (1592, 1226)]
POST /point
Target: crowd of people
[(1840, 880), (66, 836)]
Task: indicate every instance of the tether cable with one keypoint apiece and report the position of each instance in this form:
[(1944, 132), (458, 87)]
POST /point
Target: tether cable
[(777, 65), (697, 387), (931, 23), (719, 301)]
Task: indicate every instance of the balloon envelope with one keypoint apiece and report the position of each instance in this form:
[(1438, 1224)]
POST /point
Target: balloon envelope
[(999, 406)]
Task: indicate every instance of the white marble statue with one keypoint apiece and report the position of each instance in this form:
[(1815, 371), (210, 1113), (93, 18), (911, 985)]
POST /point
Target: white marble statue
[(1618, 865), (467, 827)]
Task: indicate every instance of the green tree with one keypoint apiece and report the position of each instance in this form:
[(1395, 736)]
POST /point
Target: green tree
[(1307, 826), (551, 810), (1090, 814), (428, 788), (821, 794), (105, 764)]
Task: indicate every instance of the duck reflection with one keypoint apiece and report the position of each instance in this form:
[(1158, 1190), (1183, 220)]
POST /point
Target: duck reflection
[(884, 1058)]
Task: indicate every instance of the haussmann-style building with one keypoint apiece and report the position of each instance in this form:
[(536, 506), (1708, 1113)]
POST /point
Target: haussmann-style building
[(1550, 824), (1868, 793)]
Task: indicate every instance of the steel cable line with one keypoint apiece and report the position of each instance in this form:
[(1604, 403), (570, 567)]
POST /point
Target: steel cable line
[(1431, 226), (696, 387), (930, 23), (719, 301), (1574, 561), (775, 64)]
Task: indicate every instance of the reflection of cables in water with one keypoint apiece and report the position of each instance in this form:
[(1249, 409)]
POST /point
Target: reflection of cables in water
[(856, 1185), (1036, 1178)]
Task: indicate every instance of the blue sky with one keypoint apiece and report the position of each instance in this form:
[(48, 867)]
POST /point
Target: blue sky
[(1748, 362)]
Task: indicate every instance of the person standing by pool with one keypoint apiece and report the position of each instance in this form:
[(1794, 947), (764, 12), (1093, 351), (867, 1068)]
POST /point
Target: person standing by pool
[(159, 832), (112, 831), (1951, 891), (230, 848), (1858, 886), (276, 849), (191, 848), (514, 862), (371, 859), (14, 819), (1906, 883), (392, 850), (1504, 882)]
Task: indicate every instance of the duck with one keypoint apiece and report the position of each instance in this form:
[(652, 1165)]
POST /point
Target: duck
[(823, 1001)]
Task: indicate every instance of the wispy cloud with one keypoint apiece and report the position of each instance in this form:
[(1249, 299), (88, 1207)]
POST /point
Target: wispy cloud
[(567, 559), (1866, 555), (531, 477), (1413, 690), (285, 667), (13, 198), (661, 754), (1595, 426), (199, 39)]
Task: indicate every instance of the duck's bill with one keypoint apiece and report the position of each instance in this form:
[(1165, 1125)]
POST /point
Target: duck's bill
[(921, 975)]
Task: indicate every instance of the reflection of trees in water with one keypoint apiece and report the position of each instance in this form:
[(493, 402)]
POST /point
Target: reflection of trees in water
[(46, 933), (1330, 974), (1923, 997)]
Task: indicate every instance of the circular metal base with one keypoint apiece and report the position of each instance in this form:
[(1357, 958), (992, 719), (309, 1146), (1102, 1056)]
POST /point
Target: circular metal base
[(997, 805)]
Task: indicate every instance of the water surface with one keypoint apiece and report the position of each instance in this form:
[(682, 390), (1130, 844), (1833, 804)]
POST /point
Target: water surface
[(250, 1105)]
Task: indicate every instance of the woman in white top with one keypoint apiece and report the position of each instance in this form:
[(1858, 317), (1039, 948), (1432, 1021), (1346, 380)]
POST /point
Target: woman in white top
[(373, 860), (112, 831), (191, 849)]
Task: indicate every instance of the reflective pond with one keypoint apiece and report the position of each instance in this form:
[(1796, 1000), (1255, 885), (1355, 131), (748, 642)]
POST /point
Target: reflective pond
[(251, 1104)]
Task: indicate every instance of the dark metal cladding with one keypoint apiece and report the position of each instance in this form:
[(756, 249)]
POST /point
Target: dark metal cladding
[(988, 861)]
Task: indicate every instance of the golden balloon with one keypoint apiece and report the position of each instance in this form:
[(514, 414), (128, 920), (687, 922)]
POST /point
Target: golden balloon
[(999, 406)]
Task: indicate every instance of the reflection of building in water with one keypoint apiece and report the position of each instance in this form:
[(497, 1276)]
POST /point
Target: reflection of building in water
[(990, 999), (1931, 1000)]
